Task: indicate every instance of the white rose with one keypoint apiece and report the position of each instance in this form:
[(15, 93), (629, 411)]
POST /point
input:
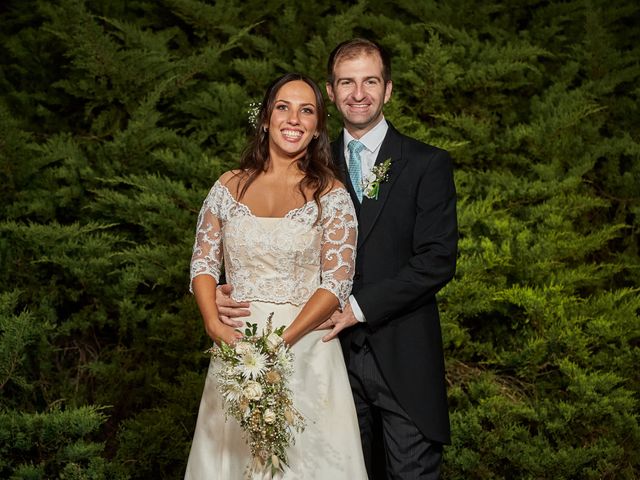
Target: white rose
[(368, 184), (269, 416), (242, 348), (369, 179), (252, 391), (273, 340)]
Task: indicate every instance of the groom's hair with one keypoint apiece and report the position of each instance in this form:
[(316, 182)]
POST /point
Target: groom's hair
[(355, 47)]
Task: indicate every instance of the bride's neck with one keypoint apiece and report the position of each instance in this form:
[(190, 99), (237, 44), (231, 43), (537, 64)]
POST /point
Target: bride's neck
[(284, 166)]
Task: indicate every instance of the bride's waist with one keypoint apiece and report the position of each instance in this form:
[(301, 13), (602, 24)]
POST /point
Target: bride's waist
[(281, 314), (279, 294)]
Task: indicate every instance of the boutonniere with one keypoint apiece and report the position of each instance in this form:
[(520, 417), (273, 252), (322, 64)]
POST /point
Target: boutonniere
[(379, 174)]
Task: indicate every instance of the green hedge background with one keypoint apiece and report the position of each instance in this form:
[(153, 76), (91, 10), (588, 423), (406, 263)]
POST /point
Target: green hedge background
[(117, 116)]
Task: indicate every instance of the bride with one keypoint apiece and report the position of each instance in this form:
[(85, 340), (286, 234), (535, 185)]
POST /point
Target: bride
[(285, 229)]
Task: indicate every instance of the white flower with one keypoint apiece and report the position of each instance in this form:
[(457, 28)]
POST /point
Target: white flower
[(254, 379), (285, 361), (369, 179), (231, 390), (273, 340), (252, 364), (269, 416), (242, 348), (369, 190), (253, 113), (371, 183), (252, 391)]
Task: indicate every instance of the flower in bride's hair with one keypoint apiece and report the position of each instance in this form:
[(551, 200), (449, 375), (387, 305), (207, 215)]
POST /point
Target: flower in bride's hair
[(252, 391), (252, 364), (253, 111)]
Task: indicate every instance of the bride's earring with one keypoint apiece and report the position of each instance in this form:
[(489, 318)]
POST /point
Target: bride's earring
[(265, 129), (316, 135)]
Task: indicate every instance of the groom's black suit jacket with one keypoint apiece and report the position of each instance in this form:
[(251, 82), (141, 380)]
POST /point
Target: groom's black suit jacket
[(407, 242)]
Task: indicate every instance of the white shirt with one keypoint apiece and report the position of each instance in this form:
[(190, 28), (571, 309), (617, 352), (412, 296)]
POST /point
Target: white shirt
[(372, 141)]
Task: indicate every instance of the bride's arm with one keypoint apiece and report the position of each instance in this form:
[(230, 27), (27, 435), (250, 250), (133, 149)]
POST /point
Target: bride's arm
[(204, 288), (317, 309), (338, 257), (206, 261)]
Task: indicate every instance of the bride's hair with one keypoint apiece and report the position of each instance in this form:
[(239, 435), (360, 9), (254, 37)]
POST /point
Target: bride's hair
[(319, 170)]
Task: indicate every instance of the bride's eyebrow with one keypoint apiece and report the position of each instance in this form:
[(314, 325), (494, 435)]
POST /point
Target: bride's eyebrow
[(302, 104)]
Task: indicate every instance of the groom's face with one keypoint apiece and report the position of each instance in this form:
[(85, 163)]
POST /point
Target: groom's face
[(359, 91)]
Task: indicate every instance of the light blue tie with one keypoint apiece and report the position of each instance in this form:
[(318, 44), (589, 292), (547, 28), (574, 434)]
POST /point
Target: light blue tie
[(355, 170)]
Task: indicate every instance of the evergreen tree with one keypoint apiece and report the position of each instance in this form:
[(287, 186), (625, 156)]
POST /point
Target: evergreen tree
[(117, 117)]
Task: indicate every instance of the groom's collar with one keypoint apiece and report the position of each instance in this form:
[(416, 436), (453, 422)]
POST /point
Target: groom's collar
[(372, 139)]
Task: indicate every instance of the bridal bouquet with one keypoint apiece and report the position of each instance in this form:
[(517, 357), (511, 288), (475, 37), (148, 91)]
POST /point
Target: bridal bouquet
[(253, 382)]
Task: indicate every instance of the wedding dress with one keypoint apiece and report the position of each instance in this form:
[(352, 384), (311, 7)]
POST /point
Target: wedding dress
[(277, 264)]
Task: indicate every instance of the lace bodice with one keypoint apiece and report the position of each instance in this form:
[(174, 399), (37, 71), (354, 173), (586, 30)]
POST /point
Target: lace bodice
[(282, 259)]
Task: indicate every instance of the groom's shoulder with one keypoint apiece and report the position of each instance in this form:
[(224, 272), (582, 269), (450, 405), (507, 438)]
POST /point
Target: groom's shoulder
[(423, 158), (412, 144), (415, 148)]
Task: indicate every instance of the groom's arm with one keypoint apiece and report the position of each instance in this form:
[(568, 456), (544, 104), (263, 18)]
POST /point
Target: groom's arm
[(433, 262), (435, 238)]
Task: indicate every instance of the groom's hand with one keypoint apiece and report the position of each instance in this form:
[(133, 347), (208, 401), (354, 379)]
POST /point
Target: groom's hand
[(228, 309), (338, 322)]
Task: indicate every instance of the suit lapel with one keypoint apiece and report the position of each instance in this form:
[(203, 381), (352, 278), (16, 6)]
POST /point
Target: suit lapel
[(370, 209)]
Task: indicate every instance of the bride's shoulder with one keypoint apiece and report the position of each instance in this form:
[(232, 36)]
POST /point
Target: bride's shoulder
[(335, 188), (231, 177), (231, 180), (336, 196)]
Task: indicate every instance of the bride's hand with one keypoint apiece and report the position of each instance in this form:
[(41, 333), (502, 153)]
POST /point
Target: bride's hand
[(223, 333)]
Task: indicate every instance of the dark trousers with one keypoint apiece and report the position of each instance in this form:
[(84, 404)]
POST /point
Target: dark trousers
[(386, 427)]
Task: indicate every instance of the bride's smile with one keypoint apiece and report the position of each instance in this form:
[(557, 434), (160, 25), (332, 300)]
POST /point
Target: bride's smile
[(294, 120)]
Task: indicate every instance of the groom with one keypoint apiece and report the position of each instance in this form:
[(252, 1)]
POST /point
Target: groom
[(390, 330)]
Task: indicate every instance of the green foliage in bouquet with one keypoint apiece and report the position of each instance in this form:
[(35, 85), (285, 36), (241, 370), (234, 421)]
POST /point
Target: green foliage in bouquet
[(253, 377), (117, 117)]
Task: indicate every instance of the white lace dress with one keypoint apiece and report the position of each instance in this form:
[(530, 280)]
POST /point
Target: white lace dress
[(277, 264)]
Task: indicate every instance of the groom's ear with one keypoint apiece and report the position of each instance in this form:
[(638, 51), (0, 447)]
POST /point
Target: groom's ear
[(387, 91), (329, 88)]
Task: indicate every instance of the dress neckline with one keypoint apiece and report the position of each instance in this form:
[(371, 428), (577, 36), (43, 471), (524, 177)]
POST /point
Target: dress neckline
[(288, 214)]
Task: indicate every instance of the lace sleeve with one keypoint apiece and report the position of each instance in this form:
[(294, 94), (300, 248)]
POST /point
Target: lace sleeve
[(340, 233), (206, 258)]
